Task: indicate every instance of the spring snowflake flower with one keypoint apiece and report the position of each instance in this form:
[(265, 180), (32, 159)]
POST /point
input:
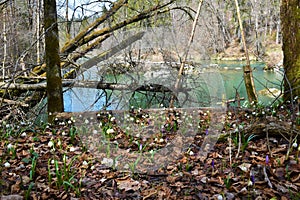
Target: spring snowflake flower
[(50, 144), (7, 164), (23, 134), (110, 131), (85, 163), (295, 145), (72, 149), (9, 146)]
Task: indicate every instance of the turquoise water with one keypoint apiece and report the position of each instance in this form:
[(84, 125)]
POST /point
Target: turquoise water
[(233, 78), (216, 82)]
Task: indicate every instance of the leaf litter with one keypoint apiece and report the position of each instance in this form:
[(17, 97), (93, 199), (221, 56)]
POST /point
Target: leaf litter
[(54, 162)]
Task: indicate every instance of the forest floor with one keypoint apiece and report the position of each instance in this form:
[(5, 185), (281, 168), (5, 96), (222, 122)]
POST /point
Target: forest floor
[(256, 156)]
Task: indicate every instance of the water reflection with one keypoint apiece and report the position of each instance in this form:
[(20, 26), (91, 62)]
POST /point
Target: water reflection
[(201, 80)]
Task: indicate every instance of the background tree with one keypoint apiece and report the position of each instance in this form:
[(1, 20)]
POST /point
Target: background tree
[(53, 68), (290, 20)]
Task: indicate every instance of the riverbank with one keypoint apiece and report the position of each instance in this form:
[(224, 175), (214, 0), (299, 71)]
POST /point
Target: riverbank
[(271, 54)]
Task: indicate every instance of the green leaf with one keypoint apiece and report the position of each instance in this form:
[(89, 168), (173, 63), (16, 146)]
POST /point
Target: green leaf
[(26, 160)]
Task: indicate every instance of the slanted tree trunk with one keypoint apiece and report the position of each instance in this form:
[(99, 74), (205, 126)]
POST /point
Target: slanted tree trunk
[(248, 77), (54, 82), (290, 26)]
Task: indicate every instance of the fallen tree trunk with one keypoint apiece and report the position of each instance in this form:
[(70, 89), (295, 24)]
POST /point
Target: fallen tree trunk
[(87, 84)]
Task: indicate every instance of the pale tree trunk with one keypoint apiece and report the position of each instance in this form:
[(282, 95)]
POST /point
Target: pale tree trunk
[(68, 25), (38, 44), (277, 32), (14, 53), (290, 26), (248, 77), (186, 53), (54, 82), (4, 43)]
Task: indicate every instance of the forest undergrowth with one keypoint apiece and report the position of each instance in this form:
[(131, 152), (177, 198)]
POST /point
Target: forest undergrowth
[(256, 157)]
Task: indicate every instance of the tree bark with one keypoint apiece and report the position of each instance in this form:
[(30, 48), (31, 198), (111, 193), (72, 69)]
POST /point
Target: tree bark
[(53, 69), (248, 77), (290, 26)]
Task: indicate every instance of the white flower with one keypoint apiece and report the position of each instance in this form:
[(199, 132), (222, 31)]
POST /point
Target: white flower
[(92, 167), (161, 140), (65, 158), (151, 151), (85, 163), (59, 143), (191, 153), (112, 119), (295, 145), (23, 134), (86, 121), (63, 133), (50, 144), (6, 164), (72, 149), (9, 146), (110, 131), (69, 122), (52, 162), (95, 131)]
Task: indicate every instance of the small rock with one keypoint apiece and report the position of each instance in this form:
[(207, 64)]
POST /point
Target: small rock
[(229, 196)]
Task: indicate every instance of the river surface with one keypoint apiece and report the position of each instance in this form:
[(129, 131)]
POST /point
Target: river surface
[(207, 84)]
